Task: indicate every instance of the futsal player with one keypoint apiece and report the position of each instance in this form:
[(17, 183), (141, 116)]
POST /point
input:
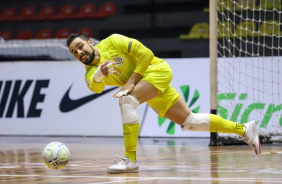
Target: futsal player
[(142, 77)]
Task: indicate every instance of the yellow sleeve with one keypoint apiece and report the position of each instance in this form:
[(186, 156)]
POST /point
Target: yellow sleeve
[(136, 49), (91, 84)]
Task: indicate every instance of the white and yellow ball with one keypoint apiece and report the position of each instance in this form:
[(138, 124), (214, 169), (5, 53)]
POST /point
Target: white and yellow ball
[(56, 155)]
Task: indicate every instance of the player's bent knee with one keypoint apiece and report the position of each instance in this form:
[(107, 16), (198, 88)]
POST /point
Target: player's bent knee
[(128, 106), (197, 122)]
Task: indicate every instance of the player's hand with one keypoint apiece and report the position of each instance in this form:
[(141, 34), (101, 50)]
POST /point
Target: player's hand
[(126, 89), (108, 67)]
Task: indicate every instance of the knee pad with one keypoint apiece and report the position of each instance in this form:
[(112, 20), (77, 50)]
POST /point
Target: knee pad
[(128, 107), (197, 122)]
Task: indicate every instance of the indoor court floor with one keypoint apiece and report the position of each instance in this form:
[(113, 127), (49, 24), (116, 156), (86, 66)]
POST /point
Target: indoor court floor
[(161, 161)]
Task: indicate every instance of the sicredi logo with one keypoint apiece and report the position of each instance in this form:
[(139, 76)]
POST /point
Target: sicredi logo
[(185, 89), (244, 110)]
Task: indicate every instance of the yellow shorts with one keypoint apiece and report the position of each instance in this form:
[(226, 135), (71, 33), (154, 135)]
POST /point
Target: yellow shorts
[(160, 76)]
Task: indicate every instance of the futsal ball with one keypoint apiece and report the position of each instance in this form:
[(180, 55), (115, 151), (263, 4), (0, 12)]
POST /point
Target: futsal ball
[(56, 155)]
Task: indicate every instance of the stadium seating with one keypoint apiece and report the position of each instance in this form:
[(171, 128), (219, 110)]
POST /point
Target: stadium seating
[(199, 30), (86, 11), (63, 33), (65, 12), (106, 10), (87, 31), (6, 35), (223, 4), (27, 13), (269, 4), (224, 30), (245, 29), (46, 13), (44, 34), (270, 28), (244, 5), (8, 14), (24, 35)]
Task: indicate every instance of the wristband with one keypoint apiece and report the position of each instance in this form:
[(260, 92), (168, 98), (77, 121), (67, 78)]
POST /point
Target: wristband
[(98, 75)]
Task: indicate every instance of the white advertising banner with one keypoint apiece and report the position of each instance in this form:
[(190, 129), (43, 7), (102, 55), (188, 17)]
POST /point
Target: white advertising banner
[(191, 78), (51, 98)]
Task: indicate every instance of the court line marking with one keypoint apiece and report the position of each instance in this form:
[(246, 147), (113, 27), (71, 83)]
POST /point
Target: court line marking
[(69, 165), (272, 153), (9, 166), (32, 163), (120, 181), (141, 167), (268, 180), (153, 168)]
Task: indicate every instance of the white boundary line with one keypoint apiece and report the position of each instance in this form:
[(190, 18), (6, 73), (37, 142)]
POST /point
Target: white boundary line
[(120, 181), (268, 180), (272, 153)]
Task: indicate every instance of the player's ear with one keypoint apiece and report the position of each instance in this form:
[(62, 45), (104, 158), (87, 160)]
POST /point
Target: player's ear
[(90, 42)]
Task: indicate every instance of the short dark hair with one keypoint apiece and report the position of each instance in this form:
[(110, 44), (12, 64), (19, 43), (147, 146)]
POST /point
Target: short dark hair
[(74, 36)]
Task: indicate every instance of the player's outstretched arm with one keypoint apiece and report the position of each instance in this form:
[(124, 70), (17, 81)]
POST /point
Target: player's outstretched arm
[(136, 49), (129, 86)]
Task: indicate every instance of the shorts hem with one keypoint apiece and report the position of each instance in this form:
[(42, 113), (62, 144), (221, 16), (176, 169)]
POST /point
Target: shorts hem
[(162, 114)]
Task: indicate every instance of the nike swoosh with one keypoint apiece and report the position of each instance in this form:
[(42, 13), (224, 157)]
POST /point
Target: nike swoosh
[(67, 104)]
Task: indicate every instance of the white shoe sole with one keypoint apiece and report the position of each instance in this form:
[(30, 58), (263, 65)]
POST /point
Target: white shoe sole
[(121, 171), (256, 147)]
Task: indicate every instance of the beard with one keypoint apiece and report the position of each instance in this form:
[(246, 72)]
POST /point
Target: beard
[(91, 57)]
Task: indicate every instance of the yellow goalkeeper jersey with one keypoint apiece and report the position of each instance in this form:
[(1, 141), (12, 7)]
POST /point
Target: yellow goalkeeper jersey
[(130, 56)]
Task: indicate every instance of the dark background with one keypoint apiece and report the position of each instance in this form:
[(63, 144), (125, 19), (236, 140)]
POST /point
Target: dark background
[(156, 23)]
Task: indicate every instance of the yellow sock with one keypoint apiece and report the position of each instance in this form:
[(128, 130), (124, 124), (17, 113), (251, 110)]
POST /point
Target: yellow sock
[(220, 125), (130, 134), (131, 155)]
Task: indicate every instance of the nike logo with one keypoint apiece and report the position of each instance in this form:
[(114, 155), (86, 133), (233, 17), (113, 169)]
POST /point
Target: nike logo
[(68, 104)]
